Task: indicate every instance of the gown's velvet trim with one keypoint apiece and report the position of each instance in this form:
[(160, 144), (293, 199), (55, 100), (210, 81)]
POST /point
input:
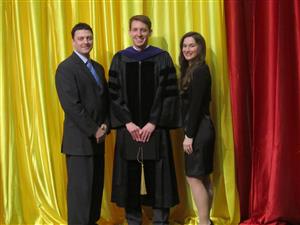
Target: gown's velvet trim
[(145, 95), (147, 53)]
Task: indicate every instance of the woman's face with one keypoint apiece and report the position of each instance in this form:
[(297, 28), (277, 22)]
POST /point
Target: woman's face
[(190, 49)]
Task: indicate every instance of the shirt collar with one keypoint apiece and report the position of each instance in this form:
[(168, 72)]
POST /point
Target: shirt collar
[(135, 48), (82, 57)]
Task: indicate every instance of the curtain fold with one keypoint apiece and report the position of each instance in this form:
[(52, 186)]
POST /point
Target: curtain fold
[(264, 57), (240, 88), (35, 38)]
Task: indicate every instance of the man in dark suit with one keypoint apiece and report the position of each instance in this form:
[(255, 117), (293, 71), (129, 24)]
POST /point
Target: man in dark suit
[(83, 94)]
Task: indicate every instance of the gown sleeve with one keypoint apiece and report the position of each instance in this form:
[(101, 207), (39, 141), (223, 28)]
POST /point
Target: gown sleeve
[(170, 116)]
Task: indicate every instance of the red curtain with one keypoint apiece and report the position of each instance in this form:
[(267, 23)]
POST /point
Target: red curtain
[(264, 66)]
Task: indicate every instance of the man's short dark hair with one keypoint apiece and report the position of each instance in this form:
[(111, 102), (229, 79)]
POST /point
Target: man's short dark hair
[(142, 18), (80, 26)]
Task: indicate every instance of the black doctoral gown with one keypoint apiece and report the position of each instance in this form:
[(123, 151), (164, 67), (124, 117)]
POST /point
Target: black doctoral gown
[(143, 88)]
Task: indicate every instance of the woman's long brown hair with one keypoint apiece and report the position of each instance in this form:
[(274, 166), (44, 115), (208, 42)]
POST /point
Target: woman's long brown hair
[(186, 70)]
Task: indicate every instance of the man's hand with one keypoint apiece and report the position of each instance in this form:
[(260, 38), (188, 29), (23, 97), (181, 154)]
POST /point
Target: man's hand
[(188, 145), (146, 131), (133, 130), (101, 133)]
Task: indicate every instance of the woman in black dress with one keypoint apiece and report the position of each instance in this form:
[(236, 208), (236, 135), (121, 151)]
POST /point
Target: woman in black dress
[(198, 144)]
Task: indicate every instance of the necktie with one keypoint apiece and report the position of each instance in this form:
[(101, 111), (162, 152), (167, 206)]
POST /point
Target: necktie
[(93, 71)]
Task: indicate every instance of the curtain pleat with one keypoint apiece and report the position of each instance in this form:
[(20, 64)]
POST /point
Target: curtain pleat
[(240, 88), (263, 37)]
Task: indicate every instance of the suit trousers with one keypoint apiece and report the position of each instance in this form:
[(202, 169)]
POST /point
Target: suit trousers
[(85, 188)]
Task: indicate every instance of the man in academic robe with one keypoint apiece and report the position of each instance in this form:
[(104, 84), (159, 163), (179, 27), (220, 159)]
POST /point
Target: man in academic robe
[(144, 106), (83, 94)]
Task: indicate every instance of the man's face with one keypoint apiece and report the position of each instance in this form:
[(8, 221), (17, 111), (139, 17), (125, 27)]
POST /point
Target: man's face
[(139, 33), (83, 42)]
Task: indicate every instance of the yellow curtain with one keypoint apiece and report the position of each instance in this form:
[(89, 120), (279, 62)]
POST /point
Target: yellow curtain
[(35, 37)]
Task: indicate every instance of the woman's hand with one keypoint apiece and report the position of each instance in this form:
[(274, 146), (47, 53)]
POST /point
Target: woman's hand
[(188, 145)]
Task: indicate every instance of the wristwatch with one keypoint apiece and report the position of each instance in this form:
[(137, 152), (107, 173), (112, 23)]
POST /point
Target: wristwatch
[(103, 127)]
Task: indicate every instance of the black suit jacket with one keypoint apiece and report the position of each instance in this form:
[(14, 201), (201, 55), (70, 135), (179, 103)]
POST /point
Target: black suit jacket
[(85, 104)]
